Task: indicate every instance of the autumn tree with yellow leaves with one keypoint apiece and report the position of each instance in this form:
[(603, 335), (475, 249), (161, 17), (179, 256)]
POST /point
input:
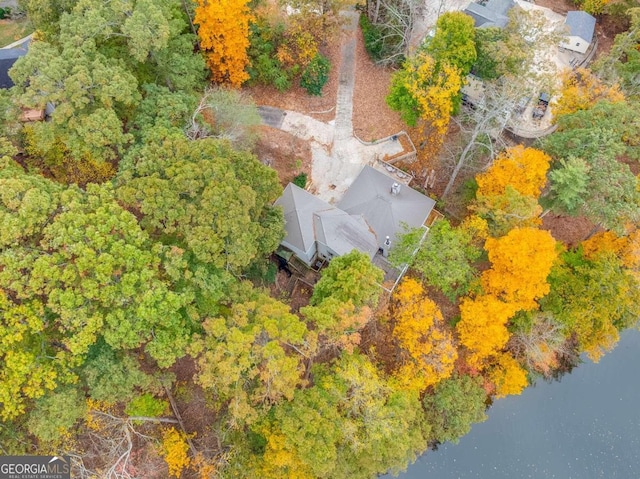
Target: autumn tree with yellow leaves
[(508, 191), (482, 328), (520, 264), (581, 90), (428, 350), (223, 29), (522, 168), (507, 376), (424, 93)]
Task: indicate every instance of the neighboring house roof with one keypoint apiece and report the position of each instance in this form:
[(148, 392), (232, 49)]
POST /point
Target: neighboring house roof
[(581, 25), (8, 57), (299, 206), (371, 197), (343, 232), (493, 14)]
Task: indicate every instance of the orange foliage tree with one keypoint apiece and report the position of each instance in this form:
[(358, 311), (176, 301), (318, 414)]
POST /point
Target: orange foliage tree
[(524, 169), (427, 344), (482, 328), (581, 89), (520, 264), (223, 28), (626, 248), (508, 191), (507, 375), (175, 448)]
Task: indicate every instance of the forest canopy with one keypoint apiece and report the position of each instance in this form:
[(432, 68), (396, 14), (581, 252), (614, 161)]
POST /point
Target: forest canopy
[(144, 323)]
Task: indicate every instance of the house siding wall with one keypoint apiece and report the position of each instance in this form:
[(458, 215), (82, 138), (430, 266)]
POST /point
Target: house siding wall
[(306, 257), (575, 44)]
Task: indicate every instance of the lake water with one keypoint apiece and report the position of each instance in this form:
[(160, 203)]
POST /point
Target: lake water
[(587, 426)]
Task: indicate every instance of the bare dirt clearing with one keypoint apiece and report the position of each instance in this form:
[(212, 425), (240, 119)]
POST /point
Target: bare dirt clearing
[(372, 118), (283, 152)]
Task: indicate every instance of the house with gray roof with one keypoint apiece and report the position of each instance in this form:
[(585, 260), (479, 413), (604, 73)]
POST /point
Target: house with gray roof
[(8, 56), (580, 29), (491, 14), (373, 211), (385, 205), (314, 228)]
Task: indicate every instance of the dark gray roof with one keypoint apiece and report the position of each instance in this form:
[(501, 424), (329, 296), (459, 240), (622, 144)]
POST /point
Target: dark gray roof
[(493, 14), (343, 232), (370, 196), (309, 219), (581, 25), (299, 206), (8, 57)]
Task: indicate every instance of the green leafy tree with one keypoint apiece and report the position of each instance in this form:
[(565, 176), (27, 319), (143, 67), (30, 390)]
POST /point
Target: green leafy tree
[(612, 198), (593, 299), (351, 424), (94, 270), (455, 405), (161, 108), (338, 323), (606, 128), (486, 65), (27, 202), (351, 277), (9, 115), (87, 89), (315, 76), (445, 258), (569, 184), (454, 41), (94, 68), (252, 356), (55, 414), (203, 197), (112, 376), (45, 14)]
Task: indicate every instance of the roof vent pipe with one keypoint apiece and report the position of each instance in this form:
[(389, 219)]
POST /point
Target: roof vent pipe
[(395, 189), (386, 247)]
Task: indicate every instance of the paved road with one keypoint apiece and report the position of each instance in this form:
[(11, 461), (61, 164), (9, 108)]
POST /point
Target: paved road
[(271, 116)]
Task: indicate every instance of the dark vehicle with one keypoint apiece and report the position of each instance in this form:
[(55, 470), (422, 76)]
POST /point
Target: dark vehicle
[(541, 107)]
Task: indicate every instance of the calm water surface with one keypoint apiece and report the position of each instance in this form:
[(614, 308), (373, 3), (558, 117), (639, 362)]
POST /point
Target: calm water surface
[(587, 426)]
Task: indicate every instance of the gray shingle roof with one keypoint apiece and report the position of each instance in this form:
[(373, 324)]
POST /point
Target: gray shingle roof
[(493, 14), (581, 25), (343, 232), (8, 57), (299, 206), (370, 196)]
